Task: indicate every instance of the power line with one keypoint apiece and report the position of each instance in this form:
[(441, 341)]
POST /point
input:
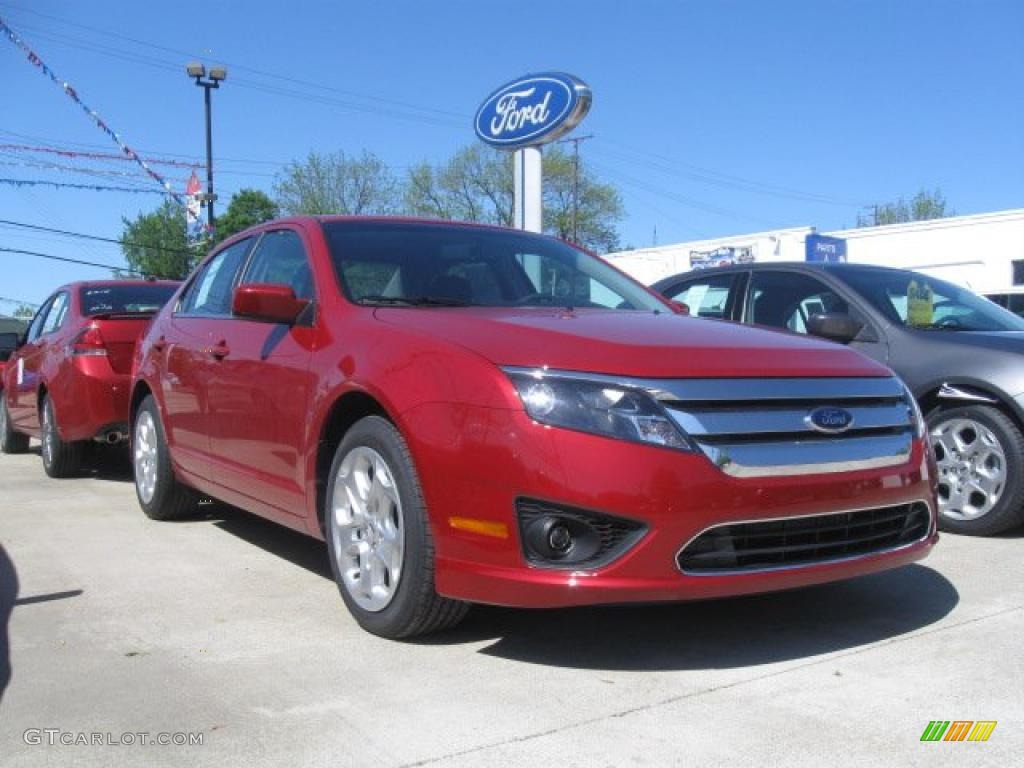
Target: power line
[(112, 267), (84, 236)]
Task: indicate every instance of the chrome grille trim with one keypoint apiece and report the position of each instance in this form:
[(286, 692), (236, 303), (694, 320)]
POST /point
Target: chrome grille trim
[(809, 457), (749, 421)]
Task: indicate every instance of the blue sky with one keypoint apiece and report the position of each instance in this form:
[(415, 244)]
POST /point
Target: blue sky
[(712, 118)]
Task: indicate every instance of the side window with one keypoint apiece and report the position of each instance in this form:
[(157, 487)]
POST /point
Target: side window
[(210, 292), (281, 259), (36, 326), (787, 299), (707, 296), (58, 310)]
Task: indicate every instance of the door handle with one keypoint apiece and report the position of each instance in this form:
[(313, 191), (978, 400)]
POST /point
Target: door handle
[(221, 350), (159, 344)]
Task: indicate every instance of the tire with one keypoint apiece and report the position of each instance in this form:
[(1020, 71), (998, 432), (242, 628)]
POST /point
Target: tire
[(10, 441), (161, 495), (60, 458), (387, 523), (980, 455)]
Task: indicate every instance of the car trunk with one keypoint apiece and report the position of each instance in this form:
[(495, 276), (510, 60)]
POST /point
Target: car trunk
[(120, 333)]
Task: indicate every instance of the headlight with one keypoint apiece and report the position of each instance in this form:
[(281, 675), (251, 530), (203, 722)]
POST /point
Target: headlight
[(598, 407), (916, 417)]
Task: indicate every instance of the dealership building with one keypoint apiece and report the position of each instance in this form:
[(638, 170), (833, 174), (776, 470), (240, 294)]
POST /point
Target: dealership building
[(983, 252)]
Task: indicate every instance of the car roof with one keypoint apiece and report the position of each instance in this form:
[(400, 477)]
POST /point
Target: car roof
[(794, 266)]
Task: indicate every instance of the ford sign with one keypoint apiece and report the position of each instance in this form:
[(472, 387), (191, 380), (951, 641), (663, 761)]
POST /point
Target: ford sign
[(533, 110), (829, 419)]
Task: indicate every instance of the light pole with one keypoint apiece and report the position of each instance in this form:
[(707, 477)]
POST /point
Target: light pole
[(217, 75)]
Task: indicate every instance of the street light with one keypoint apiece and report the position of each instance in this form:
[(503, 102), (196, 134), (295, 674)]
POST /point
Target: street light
[(197, 70)]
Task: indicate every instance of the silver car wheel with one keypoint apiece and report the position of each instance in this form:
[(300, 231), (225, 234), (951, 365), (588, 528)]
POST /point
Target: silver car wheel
[(144, 456), (367, 528), (972, 468), (48, 429)]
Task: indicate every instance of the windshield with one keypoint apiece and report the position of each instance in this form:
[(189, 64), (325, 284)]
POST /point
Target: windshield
[(922, 302), (411, 264), (130, 299)]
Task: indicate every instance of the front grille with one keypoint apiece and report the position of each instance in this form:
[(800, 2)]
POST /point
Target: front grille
[(764, 427), (769, 544)]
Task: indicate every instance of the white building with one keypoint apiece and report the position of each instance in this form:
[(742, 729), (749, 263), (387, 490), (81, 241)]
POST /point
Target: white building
[(983, 252)]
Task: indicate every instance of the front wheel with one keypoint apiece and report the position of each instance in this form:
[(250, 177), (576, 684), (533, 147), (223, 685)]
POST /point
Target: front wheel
[(980, 454), (60, 458), (378, 536)]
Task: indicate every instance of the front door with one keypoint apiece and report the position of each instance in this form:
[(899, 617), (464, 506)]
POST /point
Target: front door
[(260, 385)]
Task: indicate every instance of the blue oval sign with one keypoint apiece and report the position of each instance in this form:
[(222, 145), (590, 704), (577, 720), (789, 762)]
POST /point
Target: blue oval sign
[(829, 419), (532, 110)]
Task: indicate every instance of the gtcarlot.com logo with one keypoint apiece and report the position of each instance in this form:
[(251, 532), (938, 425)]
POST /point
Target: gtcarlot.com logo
[(958, 730), (55, 736)]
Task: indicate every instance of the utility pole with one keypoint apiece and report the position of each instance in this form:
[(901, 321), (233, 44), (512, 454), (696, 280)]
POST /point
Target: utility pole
[(217, 75), (576, 182)]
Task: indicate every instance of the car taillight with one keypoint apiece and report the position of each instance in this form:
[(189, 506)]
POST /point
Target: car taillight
[(89, 342)]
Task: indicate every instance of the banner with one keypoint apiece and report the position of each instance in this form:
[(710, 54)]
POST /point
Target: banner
[(721, 257), (193, 209)]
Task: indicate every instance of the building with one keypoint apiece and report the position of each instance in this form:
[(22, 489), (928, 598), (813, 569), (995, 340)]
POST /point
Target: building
[(983, 252)]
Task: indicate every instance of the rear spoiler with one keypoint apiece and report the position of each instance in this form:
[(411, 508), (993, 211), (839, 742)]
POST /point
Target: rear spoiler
[(121, 315)]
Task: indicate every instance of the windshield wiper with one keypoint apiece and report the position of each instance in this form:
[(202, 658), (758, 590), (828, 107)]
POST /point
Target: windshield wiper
[(415, 301)]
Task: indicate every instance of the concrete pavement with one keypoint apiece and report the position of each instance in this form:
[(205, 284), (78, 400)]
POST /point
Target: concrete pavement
[(231, 627)]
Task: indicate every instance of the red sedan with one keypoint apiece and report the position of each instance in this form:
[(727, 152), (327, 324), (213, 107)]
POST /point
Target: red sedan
[(68, 382), (473, 414)]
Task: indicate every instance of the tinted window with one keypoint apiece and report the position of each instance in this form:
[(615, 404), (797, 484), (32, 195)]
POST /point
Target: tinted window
[(58, 311), (36, 327), (123, 299), (210, 291), (707, 296), (787, 299), (381, 262), (919, 301), (280, 258)]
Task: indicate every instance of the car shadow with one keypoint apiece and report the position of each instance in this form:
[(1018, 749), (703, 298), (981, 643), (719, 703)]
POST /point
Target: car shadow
[(8, 596), (712, 634)]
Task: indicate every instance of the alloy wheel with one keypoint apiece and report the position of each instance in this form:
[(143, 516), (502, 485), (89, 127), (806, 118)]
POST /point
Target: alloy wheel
[(367, 528), (144, 456), (972, 468)]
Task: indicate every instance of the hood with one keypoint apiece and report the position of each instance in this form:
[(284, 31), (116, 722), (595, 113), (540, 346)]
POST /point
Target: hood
[(626, 343)]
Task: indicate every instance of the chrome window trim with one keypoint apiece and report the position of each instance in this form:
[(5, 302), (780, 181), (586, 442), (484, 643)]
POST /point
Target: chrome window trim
[(789, 567)]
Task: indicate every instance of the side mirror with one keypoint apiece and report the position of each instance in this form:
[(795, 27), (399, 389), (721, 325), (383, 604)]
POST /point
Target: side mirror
[(267, 302), (834, 326), (8, 343), (679, 307)]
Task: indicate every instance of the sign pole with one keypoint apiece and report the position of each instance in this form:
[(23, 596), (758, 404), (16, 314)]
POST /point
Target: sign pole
[(528, 208)]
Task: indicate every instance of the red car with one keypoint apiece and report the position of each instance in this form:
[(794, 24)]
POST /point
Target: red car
[(473, 414), (69, 380)]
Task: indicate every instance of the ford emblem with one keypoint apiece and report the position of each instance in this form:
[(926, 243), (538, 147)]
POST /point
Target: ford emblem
[(829, 419), (532, 110)]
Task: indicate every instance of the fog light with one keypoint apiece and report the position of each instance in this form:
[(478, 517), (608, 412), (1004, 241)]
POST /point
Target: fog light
[(559, 538)]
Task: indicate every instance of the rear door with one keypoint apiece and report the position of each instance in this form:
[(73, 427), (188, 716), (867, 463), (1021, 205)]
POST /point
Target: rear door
[(710, 294), (29, 373), (260, 386), (188, 357)]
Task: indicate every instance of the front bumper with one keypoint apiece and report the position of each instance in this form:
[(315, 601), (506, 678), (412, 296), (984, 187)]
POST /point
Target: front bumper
[(475, 462)]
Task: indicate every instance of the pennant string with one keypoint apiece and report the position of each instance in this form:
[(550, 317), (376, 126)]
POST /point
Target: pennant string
[(98, 155), (69, 185), (34, 59)]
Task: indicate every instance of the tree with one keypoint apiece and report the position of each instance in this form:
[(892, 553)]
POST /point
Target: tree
[(155, 243), (337, 183), (476, 185), (24, 312), (923, 206), (247, 208)]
